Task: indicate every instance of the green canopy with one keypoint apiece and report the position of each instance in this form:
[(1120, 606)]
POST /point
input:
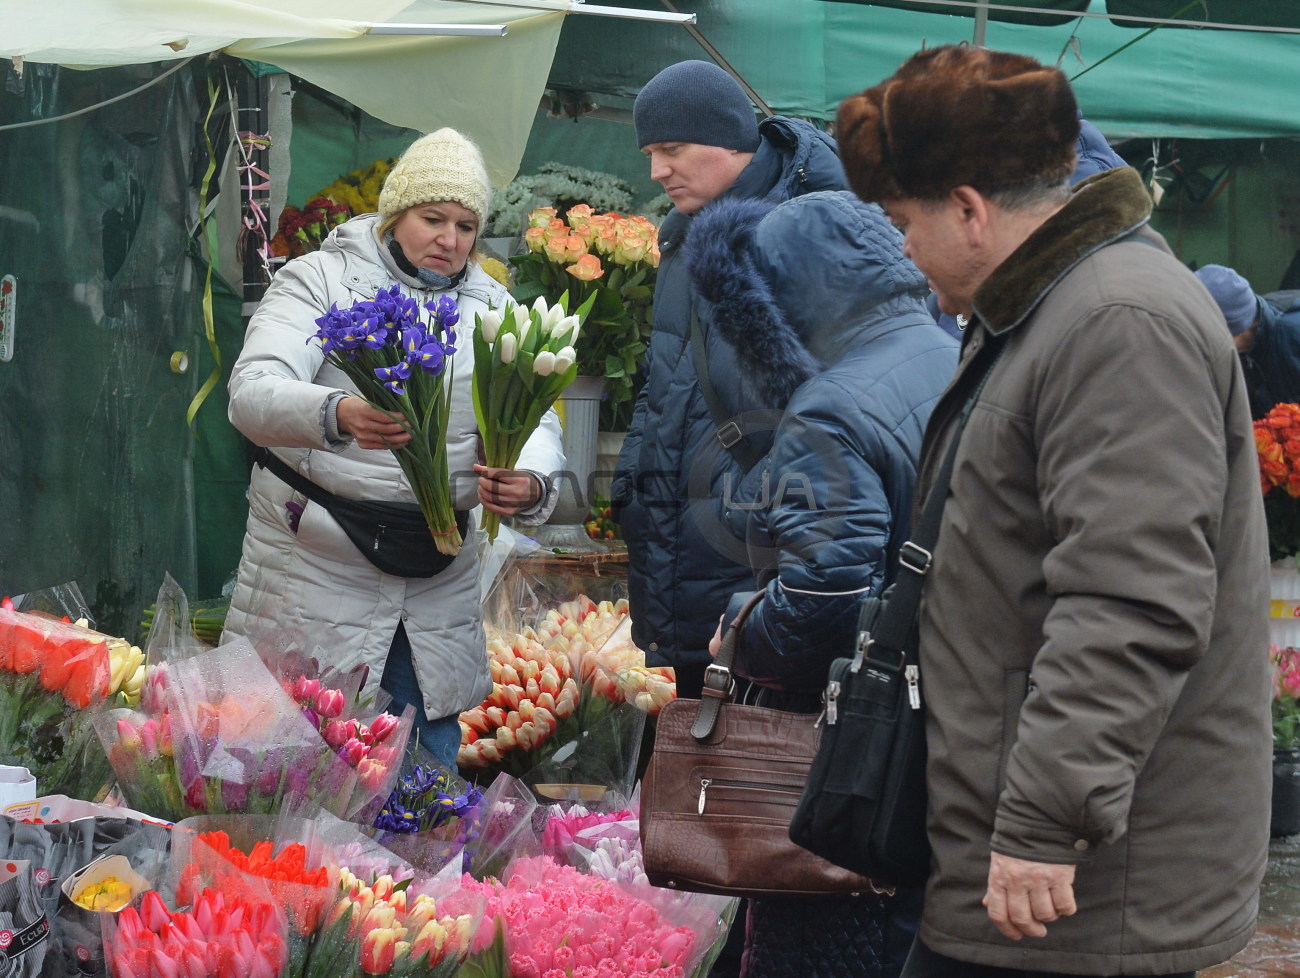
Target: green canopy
[(804, 57)]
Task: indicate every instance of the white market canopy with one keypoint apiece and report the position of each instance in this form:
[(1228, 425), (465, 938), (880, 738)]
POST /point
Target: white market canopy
[(373, 53)]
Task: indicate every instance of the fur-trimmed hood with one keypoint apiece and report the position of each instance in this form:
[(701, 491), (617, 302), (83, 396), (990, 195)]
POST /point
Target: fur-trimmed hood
[(794, 288)]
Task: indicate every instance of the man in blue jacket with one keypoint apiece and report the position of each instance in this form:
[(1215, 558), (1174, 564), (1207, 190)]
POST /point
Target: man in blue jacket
[(698, 129), (1266, 331)]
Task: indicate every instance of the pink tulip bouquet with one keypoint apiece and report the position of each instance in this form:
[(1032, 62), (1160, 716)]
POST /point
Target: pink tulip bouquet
[(217, 733)]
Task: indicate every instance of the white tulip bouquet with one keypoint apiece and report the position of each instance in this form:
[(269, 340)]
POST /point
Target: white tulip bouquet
[(523, 361)]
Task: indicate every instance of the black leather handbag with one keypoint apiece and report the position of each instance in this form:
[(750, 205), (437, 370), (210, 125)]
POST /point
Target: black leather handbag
[(864, 804)]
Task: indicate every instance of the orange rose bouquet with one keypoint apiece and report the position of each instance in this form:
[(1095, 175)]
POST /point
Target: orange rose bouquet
[(613, 258), (1277, 439)]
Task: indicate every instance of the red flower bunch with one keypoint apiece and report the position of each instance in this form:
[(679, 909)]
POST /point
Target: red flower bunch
[(301, 889), (1277, 440), (216, 937), (303, 230)]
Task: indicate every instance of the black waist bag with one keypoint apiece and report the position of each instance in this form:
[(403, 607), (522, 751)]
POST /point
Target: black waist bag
[(392, 536)]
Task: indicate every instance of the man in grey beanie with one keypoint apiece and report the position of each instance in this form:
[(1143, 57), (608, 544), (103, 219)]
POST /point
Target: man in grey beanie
[(698, 129), (1266, 332)]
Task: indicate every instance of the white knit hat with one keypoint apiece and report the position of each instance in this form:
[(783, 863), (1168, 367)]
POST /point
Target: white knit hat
[(443, 165)]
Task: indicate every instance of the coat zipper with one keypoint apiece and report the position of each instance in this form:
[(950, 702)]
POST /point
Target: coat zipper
[(705, 784)]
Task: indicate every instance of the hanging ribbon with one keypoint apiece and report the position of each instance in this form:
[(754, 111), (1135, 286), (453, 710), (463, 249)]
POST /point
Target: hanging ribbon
[(208, 232), (256, 222)]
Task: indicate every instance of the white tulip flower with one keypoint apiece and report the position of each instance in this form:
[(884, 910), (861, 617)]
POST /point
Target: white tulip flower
[(565, 359), (522, 318), (506, 348), (548, 315), (564, 325), (489, 325), (544, 363)]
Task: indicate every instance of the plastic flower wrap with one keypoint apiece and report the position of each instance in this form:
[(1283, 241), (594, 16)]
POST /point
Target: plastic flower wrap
[(57, 853), (545, 918), (589, 740), (1277, 439), (217, 733), (533, 690), (381, 927), (398, 357), (219, 935), (523, 360), (54, 676), (611, 262), (430, 816)]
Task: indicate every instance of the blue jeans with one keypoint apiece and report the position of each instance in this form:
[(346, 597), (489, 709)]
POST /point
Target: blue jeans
[(440, 737)]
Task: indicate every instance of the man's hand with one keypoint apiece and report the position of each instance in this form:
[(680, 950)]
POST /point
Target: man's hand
[(507, 491), (371, 427), (1023, 897)]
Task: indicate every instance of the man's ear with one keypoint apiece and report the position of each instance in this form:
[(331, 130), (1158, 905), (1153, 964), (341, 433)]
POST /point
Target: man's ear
[(972, 213)]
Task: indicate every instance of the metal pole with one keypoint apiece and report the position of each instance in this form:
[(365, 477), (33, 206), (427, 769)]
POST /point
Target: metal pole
[(981, 24)]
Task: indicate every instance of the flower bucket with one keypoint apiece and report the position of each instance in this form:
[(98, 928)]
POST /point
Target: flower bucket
[(1286, 794), (1284, 606)]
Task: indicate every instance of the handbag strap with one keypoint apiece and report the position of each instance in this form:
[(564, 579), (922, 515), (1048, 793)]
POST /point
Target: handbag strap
[(729, 432), (294, 479), (718, 682), (914, 557)]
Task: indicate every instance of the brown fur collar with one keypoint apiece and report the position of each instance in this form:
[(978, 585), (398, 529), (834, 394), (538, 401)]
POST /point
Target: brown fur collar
[(1103, 209)]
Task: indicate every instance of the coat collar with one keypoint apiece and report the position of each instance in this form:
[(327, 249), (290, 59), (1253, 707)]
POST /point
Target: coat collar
[(1103, 209)]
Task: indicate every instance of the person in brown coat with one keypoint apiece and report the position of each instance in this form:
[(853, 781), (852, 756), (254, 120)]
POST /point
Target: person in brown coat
[(1094, 648)]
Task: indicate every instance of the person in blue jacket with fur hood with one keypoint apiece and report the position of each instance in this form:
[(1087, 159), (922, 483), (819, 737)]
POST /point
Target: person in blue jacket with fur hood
[(832, 344), (697, 128)]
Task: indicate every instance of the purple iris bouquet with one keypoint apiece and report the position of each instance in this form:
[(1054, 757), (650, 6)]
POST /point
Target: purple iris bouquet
[(430, 817), (397, 354)]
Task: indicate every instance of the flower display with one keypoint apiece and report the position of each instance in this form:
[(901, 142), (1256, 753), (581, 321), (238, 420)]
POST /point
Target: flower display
[(301, 230), (551, 919), (426, 799), (398, 359), (523, 360), (374, 929), (217, 733), (558, 185), (609, 261), (1277, 440), (218, 936), (533, 689), (52, 673), (1286, 697)]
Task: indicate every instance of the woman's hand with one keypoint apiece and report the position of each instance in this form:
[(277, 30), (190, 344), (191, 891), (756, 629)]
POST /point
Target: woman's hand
[(507, 492), (371, 427)]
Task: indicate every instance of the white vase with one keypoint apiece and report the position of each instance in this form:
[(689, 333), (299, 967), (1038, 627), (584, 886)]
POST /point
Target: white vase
[(1284, 610)]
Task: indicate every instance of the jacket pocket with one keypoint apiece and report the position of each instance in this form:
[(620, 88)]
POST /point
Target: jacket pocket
[(1016, 685)]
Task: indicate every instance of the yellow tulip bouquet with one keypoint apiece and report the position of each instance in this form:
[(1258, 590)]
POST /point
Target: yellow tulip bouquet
[(605, 262)]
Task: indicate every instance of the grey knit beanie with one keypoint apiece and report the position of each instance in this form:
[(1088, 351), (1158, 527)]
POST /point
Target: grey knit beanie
[(1233, 294), (695, 102)]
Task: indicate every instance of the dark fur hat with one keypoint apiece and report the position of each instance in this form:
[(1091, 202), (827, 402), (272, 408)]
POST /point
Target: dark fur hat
[(958, 116)]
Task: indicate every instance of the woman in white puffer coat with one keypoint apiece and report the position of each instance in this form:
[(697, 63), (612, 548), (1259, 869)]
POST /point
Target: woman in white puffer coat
[(300, 577)]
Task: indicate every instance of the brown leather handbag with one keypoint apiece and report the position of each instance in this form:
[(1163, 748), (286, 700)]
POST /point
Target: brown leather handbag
[(722, 785)]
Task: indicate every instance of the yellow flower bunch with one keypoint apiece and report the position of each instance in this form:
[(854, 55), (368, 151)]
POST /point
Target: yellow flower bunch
[(358, 191), (109, 894)]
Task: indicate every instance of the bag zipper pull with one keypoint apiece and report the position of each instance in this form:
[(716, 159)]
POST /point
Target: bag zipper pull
[(831, 713), (913, 676), (704, 786), (379, 531)]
